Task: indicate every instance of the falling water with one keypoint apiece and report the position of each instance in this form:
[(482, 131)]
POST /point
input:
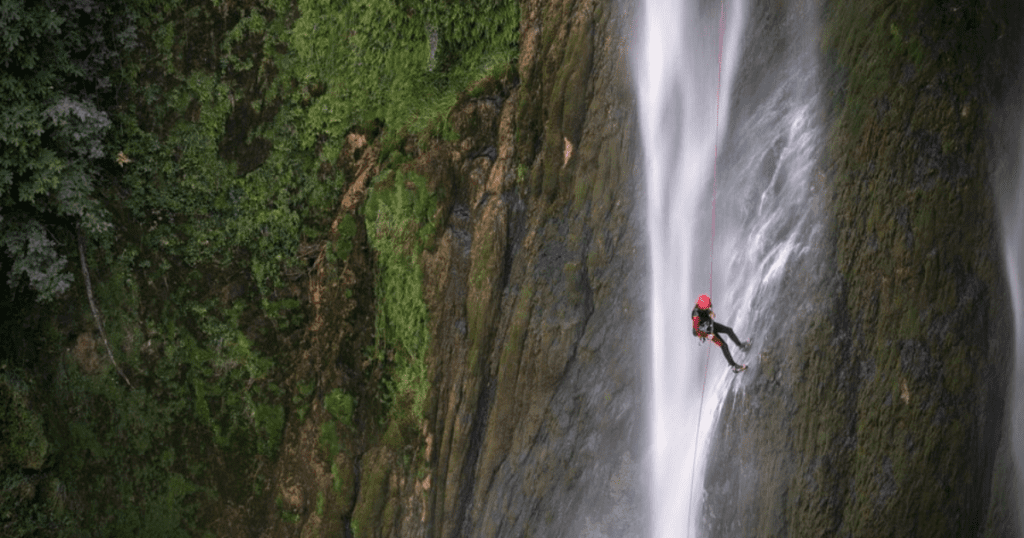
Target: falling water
[(766, 192), (1007, 180), (677, 85), (1012, 218)]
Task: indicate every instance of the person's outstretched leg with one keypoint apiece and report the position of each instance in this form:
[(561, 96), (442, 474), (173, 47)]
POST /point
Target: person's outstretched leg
[(725, 350), (719, 328)]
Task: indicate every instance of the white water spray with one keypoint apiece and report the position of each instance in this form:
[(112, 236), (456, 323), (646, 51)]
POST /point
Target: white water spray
[(677, 78), (1012, 217), (765, 221)]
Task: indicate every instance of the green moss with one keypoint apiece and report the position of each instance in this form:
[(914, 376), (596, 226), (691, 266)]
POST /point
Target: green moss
[(521, 172), (337, 481), (340, 405), (924, 222), (269, 421), (957, 373), (330, 441), (823, 438), (900, 67), (393, 437), (910, 326), (866, 50), (567, 68), (285, 513), (580, 191), (399, 211), (946, 298), (342, 246), (409, 386), (483, 272), (370, 510), (594, 258), (513, 350)]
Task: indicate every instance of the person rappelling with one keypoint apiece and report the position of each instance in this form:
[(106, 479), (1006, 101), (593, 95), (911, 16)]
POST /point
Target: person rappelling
[(704, 326)]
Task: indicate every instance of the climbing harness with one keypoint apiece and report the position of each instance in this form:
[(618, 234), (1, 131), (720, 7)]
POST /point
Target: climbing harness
[(714, 199)]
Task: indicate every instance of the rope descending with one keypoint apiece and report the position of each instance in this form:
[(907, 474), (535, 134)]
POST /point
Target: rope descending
[(714, 199)]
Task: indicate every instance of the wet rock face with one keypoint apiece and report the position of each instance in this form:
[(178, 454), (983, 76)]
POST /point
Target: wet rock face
[(877, 409), (536, 292)]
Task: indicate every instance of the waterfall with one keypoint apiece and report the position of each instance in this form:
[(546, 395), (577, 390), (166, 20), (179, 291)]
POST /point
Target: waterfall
[(1012, 226), (677, 83), (767, 209), (1007, 181)]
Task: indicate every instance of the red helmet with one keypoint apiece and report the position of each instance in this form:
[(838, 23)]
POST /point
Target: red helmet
[(703, 302)]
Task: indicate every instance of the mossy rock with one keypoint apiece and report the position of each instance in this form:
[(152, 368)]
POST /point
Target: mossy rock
[(376, 501), (567, 109), (343, 482), (341, 406)]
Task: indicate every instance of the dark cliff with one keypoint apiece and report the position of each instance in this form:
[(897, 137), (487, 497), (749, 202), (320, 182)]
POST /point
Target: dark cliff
[(537, 290), (877, 406)]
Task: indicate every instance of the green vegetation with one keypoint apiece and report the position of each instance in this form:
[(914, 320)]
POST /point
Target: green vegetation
[(520, 320), (301, 400), (398, 61), (340, 249), (374, 502), (905, 148), (401, 222), (336, 480), (25, 440), (340, 405), (23, 445), (330, 441), (194, 146), (286, 514), (56, 58), (213, 189)]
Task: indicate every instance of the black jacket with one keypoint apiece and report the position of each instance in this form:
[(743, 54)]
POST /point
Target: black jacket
[(703, 326)]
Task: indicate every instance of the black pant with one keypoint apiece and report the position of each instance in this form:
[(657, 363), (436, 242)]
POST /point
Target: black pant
[(719, 330)]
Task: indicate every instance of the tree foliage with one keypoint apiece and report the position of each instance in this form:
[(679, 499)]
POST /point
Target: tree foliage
[(55, 62), (319, 71), (399, 61)]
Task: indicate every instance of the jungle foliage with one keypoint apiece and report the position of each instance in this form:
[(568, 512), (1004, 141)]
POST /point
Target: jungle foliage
[(194, 145), (401, 220), (402, 61), (56, 61)]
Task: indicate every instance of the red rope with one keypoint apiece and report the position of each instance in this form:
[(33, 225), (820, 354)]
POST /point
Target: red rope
[(714, 195), (714, 198)]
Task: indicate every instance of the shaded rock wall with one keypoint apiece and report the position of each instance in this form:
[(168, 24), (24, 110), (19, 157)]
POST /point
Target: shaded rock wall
[(883, 414), (536, 294)]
